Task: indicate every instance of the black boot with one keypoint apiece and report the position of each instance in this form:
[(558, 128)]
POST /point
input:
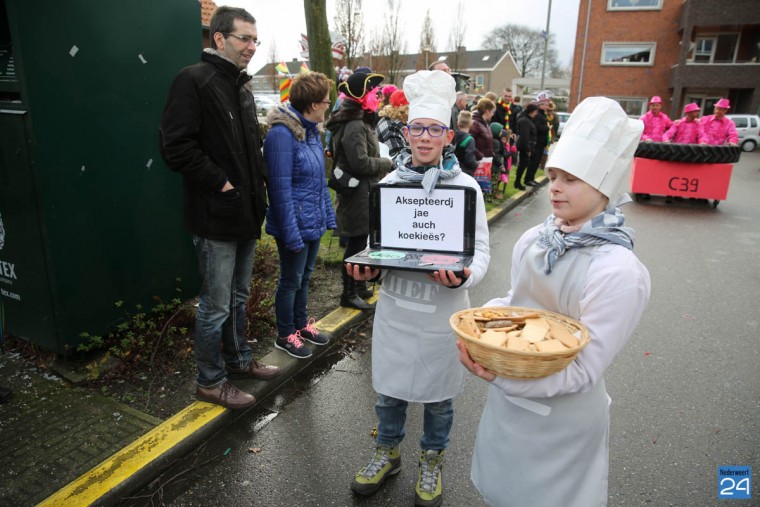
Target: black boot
[(350, 299), (362, 291)]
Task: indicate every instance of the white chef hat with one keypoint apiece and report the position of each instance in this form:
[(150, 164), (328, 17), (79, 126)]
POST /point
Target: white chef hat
[(430, 93), (597, 144)]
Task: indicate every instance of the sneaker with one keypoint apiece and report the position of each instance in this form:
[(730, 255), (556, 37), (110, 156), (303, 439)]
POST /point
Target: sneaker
[(429, 490), (293, 345), (385, 462), (311, 334)]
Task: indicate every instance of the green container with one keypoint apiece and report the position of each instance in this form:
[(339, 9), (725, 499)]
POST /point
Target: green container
[(89, 213)]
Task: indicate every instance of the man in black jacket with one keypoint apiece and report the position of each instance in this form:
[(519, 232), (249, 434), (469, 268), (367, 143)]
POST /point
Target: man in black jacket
[(209, 134)]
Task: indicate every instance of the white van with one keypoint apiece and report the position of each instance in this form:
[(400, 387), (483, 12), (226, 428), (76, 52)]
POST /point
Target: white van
[(748, 128)]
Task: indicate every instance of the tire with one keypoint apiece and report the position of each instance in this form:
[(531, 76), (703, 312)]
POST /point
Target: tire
[(749, 145), (692, 153)]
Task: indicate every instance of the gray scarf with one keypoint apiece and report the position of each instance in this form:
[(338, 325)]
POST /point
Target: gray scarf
[(448, 168), (606, 227)]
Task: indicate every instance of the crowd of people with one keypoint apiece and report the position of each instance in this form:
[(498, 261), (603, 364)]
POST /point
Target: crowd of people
[(579, 262)]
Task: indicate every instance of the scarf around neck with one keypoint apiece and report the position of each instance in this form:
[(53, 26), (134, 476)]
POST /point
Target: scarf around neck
[(606, 227), (428, 175)]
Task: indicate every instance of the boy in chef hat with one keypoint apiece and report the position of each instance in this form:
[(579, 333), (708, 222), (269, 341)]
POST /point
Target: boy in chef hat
[(579, 263), (414, 354)]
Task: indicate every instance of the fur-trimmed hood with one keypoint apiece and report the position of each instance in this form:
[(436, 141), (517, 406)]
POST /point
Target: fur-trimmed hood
[(294, 121)]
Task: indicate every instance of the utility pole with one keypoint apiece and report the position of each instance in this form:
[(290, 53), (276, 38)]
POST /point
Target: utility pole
[(546, 44)]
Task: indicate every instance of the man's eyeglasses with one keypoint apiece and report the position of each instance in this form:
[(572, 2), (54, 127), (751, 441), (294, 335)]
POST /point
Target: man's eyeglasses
[(432, 130), (245, 39)]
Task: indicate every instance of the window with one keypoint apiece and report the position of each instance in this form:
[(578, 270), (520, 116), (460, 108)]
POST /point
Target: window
[(633, 106), (628, 54), (633, 5), (479, 81), (719, 48), (704, 49), (741, 123)]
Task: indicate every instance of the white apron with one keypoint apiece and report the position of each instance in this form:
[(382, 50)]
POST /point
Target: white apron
[(414, 353), (545, 452)]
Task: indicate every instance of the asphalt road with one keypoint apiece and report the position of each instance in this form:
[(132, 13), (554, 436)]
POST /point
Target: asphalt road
[(686, 389)]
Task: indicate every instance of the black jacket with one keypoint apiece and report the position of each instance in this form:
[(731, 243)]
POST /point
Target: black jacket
[(465, 152), (526, 133), (210, 135), (542, 130)]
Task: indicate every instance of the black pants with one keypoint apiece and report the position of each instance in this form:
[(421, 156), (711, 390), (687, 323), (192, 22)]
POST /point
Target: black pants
[(522, 165), (355, 245), (535, 161)]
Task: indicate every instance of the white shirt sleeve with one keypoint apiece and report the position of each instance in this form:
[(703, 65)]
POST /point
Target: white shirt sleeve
[(614, 298)]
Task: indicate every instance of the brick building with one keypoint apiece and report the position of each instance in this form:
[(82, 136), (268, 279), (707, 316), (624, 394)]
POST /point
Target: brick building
[(682, 50)]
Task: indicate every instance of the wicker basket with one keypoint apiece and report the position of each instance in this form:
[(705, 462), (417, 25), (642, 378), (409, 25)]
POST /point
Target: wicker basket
[(517, 364)]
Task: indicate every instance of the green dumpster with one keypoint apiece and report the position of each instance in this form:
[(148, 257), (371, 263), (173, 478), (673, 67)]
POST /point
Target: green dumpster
[(89, 214)]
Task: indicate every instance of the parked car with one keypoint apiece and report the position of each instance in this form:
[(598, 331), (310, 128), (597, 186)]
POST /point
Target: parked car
[(264, 103), (563, 117), (748, 128)]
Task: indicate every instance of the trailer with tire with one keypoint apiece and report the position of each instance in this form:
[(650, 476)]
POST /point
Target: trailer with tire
[(693, 171)]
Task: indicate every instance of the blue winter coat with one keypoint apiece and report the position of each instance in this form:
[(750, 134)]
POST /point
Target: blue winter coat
[(300, 208)]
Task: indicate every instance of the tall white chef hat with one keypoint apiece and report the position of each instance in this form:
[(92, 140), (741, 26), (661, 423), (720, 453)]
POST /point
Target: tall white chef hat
[(597, 144), (430, 93)]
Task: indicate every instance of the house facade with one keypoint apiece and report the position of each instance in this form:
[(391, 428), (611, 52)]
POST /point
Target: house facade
[(488, 69), (682, 50)]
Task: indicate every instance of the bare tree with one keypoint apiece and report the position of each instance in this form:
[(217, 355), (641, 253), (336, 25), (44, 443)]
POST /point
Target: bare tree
[(427, 35), (526, 46), (273, 77), (456, 37), (350, 25), (320, 44), (427, 42), (393, 40)]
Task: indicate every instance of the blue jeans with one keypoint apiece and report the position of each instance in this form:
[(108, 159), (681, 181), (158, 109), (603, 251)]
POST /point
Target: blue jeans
[(292, 293), (226, 268), (391, 427)]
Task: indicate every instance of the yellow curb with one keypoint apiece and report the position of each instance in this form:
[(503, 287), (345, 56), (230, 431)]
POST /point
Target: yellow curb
[(95, 483)]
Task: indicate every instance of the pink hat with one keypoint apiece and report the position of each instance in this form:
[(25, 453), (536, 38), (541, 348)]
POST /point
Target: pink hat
[(389, 89), (656, 100), (723, 103), (688, 108)]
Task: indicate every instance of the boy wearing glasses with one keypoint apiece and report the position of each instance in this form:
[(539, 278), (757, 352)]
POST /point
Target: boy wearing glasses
[(414, 354), (209, 134)]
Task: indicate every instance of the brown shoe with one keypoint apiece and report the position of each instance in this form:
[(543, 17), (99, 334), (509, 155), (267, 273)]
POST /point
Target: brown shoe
[(256, 370), (225, 395)]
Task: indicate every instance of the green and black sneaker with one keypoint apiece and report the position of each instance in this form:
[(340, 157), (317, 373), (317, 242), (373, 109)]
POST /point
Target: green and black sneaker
[(385, 462), (429, 490)]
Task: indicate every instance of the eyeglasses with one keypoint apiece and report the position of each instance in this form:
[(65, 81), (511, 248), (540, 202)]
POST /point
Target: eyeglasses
[(432, 130), (245, 39)]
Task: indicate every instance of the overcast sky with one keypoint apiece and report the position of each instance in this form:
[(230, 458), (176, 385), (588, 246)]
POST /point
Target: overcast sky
[(281, 22)]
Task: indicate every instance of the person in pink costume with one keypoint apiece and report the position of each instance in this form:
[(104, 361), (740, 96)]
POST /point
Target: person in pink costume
[(655, 121), (716, 128), (686, 130)]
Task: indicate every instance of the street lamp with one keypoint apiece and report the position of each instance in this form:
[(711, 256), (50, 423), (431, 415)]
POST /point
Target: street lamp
[(546, 43), (427, 50)]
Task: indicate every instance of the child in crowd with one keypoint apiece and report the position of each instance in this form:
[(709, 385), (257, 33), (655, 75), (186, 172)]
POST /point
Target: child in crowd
[(545, 442), (500, 156), (414, 354), (464, 144)]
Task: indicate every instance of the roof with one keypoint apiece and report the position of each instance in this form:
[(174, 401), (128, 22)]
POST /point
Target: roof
[(207, 10), (482, 60)]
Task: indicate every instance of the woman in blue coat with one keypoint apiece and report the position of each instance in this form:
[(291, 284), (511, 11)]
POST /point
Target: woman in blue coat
[(300, 209)]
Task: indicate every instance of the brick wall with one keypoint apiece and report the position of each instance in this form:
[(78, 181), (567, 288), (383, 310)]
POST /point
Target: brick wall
[(660, 27)]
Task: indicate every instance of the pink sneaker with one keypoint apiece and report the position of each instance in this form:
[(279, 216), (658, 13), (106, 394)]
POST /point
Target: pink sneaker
[(311, 334), (293, 345)]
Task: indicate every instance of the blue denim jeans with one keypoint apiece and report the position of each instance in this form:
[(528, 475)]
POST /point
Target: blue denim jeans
[(226, 268), (292, 294), (391, 427)]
